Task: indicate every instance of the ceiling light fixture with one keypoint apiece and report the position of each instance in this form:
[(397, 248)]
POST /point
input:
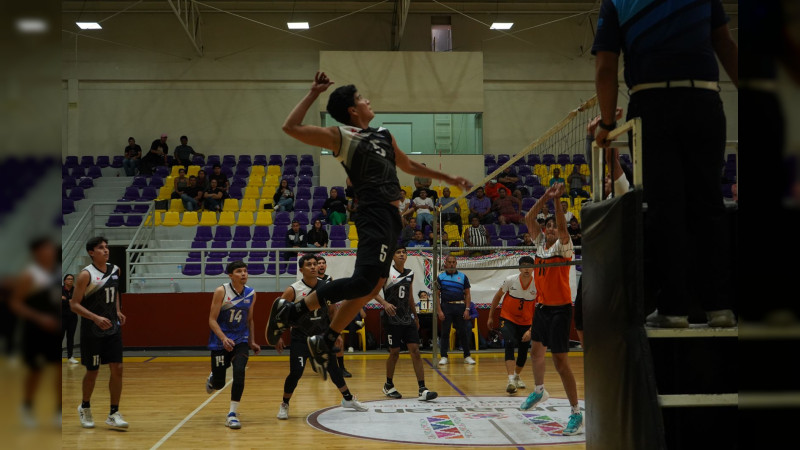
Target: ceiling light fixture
[(89, 25), (297, 25), (501, 26)]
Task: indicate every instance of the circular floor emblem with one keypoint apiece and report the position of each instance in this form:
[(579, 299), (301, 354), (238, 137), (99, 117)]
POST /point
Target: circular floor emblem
[(462, 421)]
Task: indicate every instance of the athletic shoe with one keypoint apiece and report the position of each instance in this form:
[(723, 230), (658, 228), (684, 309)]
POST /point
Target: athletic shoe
[(443, 361), (278, 321), (350, 349), (660, 321), (232, 421), (320, 355), (469, 360), (73, 360), (283, 413), (346, 374), (723, 318), (390, 391), (85, 415), (534, 399), (426, 395), (574, 426), (354, 404), (209, 385), (518, 381), (116, 420), (511, 387)]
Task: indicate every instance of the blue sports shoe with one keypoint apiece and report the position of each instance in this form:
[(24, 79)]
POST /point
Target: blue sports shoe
[(534, 399), (574, 426)]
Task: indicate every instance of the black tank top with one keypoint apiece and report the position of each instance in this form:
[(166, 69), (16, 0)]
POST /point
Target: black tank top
[(368, 158)]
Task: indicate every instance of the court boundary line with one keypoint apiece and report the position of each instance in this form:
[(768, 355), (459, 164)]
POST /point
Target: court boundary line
[(189, 417)]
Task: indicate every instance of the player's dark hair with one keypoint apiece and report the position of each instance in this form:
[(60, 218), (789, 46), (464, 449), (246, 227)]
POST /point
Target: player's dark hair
[(231, 267), (526, 260), (301, 261), (94, 242), (39, 242), (401, 247), (342, 98), (549, 218)]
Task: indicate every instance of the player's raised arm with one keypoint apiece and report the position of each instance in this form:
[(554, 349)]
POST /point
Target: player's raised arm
[(561, 220), (326, 137)]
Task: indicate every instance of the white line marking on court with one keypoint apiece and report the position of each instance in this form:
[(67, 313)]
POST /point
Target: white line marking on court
[(189, 417)]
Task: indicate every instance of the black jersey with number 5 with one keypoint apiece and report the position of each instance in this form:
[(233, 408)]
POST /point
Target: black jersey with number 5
[(396, 291), (368, 158), (100, 298)]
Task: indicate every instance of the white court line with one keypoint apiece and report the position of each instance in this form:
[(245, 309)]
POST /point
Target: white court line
[(189, 417)]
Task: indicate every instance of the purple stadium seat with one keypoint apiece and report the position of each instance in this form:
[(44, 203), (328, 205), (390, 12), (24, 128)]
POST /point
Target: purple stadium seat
[(260, 160), (338, 243), (316, 204), (68, 182), (301, 217), (86, 182), (149, 193), (198, 244), (203, 234), (67, 206), (563, 159), (246, 159), (139, 182), (240, 254), (258, 253), (103, 161), (76, 194), (301, 206), (337, 232), (508, 231), (275, 160), (133, 220), (218, 245), (117, 161), (533, 160), (320, 192), (502, 159), (229, 160), (192, 267), (94, 172), (304, 181), (87, 160), (78, 171), (489, 159), (115, 221), (131, 194), (222, 234), (71, 161), (281, 218), (261, 233), (214, 268), (241, 233), (255, 266), (213, 159), (548, 159)]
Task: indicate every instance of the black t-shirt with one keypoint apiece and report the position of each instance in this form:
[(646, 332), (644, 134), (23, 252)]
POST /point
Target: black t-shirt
[(222, 180), (157, 143), (131, 152), (334, 204)]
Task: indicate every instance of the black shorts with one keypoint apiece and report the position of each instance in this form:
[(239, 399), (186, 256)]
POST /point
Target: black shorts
[(100, 350), (379, 228), (221, 359), (512, 333), (39, 346), (551, 326), (397, 335), (579, 306)]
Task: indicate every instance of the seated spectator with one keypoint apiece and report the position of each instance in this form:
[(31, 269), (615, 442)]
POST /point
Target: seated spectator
[(407, 233), (404, 207), (476, 235), (493, 187), (508, 178), (162, 143), (222, 180), (419, 240), (507, 208), (317, 237), (556, 177), (519, 195), (157, 156), (481, 207), (574, 230), (283, 200), (183, 153), (179, 184), (133, 156), (296, 236), (567, 213), (423, 184), (212, 197), (543, 214), (192, 195), (527, 241), (424, 207), (202, 180), (335, 209), (576, 182), (450, 210)]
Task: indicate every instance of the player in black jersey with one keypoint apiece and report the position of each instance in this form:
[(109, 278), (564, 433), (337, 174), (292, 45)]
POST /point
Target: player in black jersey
[(370, 157), (310, 324), (402, 324), (96, 299)]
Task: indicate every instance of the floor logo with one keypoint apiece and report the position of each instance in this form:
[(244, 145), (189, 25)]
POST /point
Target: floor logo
[(462, 421)]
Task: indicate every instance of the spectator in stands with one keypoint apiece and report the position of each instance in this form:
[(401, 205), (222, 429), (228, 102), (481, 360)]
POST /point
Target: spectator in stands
[(493, 187), (161, 142), (423, 205), (476, 235), (335, 208), (179, 184), (508, 178), (450, 210), (481, 207), (296, 236), (202, 180), (507, 208), (567, 213), (317, 236), (283, 200), (192, 195), (157, 156), (407, 233), (222, 180), (133, 156), (556, 177), (518, 194), (184, 152), (543, 214), (419, 240), (213, 196), (348, 189), (423, 184), (405, 204), (577, 181), (574, 230), (526, 241)]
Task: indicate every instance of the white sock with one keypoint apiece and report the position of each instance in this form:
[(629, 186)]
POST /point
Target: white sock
[(511, 377), (576, 409), (539, 388), (234, 407)]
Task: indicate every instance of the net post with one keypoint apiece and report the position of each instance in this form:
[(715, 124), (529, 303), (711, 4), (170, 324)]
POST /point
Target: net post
[(435, 294)]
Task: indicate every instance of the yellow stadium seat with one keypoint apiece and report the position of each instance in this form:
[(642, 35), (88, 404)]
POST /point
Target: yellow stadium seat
[(540, 170), (176, 205), (585, 170), (245, 219), (148, 219), (362, 334), (226, 218), (354, 243), (208, 218), (274, 170), (174, 171), (189, 219), (268, 191), (439, 190), (264, 204), (255, 181), (257, 172), (474, 332), (171, 219), (192, 170), (452, 233), (455, 191), (248, 205), (567, 170), (251, 192), (264, 218), (164, 192), (409, 190), (353, 233), (231, 204)]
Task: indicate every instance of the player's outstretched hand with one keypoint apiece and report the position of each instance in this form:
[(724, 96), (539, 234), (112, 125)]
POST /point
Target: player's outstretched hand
[(321, 83), (461, 182)]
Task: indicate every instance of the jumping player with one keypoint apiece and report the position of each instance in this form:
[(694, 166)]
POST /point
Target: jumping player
[(231, 336), (518, 293), (402, 324), (370, 157), (312, 323), (96, 299), (551, 323)]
